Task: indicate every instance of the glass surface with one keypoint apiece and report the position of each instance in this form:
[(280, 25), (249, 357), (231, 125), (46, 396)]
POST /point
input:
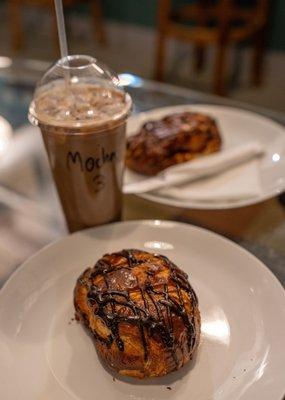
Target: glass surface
[(26, 226)]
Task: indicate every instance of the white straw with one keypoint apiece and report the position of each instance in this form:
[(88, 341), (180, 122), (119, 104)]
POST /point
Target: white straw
[(61, 28)]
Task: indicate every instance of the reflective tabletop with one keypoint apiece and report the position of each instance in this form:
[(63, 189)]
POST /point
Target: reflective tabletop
[(30, 215)]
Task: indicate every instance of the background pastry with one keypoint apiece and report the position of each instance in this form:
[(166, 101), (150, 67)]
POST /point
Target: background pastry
[(172, 140), (141, 311)]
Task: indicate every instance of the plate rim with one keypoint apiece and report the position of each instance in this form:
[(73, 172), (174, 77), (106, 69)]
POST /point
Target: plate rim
[(152, 223), (196, 205)]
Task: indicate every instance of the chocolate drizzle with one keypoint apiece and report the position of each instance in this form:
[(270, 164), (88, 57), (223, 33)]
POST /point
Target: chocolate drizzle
[(154, 314)]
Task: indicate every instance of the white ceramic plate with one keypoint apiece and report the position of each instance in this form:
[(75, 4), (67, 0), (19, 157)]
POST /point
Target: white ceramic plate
[(5, 136), (241, 356), (237, 126)]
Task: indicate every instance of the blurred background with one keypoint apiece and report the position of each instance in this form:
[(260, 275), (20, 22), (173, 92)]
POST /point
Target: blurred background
[(234, 48)]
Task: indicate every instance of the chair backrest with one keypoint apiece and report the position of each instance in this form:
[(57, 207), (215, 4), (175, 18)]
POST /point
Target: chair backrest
[(224, 12)]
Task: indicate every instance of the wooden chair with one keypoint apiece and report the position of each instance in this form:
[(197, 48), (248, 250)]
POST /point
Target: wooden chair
[(221, 23), (15, 21)]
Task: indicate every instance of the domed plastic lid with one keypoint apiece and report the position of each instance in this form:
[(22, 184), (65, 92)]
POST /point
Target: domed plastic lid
[(79, 91)]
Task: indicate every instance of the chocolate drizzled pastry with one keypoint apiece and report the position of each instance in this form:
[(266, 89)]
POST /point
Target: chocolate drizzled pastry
[(174, 139), (141, 311)]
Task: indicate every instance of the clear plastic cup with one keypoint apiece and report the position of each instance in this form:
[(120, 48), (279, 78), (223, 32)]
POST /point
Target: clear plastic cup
[(81, 111)]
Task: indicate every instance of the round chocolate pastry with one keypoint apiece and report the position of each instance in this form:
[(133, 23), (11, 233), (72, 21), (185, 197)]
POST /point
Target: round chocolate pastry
[(141, 311), (174, 139)]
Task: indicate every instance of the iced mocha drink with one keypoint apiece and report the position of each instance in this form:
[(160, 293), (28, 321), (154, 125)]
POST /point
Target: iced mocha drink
[(83, 125)]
